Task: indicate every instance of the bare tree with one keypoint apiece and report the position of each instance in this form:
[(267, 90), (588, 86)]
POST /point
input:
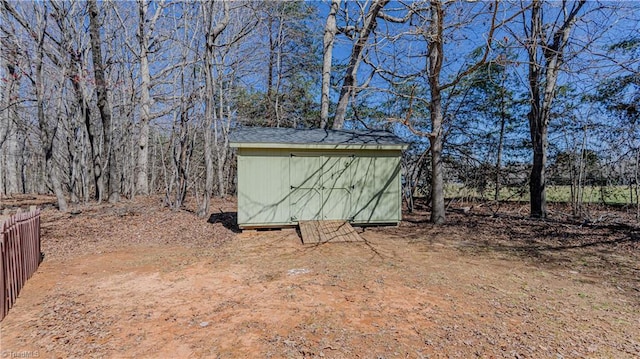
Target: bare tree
[(8, 113), (212, 32), (432, 32), (109, 164), (47, 130), (349, 82), (330, 31), (145, 32), (545, 45), (183, 134), (37, 31)]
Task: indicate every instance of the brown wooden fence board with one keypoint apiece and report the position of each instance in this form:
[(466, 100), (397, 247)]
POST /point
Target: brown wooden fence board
[(3, 289), (19, 255)]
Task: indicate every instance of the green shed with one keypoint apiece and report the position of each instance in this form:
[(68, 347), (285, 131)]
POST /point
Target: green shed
[(288, 175)]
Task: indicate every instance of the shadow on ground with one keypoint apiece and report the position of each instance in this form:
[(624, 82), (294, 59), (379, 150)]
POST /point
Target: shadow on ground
[(605, 247), (228, 219)]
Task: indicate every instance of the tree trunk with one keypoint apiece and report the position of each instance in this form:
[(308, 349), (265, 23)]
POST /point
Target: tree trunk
[(220, 142), (2, 164), (503, 122), (330, 31), (47, 133), (110, 165), (269, 111), (636, 184), (8, 128), (142, 182), (349, 83), (208, 120), (276, 102), (537, 180), (94, 150), (435, 57), (581, 173), (543, 76), (12, 152), (212, 34)]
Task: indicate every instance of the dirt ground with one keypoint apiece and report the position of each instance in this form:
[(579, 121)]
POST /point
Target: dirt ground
[(139, 280)]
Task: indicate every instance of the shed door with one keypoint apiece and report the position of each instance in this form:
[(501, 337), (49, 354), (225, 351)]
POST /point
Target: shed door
[(336, 188), (320, 187), (305, 197)]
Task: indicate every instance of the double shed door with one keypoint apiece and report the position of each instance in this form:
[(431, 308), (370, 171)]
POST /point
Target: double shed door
[(321, 187)]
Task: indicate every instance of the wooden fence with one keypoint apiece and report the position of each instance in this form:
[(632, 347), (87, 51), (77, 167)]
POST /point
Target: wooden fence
[(19, 255)]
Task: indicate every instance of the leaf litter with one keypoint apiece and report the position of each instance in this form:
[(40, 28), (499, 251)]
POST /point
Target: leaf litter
[(138, 279)]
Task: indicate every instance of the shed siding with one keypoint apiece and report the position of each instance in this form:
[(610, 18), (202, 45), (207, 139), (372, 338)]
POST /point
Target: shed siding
[(263, 182), (282, 186), (376, 197)]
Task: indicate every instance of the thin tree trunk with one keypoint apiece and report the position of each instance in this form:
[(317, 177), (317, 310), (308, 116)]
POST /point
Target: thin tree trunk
[(276, 101), (8, 128), (435, 56), (5, 101), (221, 148), (270, 68), (636, 184), (183, 147), (94, 147), (109, 165), (142, 182), (13, 154), (212, 34), (503, 122), (208, 123), (330, 31), (581, 174), (2, 164), (145, 29), (47, 133)]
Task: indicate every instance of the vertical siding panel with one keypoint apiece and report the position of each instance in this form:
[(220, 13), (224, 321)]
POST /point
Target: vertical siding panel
[(12, 264), (263, 187), (28, 246), (16, 260), (19, 237), (32, 244), (39, 251)]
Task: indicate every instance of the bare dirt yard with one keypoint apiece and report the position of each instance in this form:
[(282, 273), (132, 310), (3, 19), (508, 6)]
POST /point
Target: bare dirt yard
[(139, 280)]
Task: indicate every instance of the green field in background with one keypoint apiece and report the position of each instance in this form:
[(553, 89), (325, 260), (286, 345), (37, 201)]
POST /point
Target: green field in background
[(592, 194)]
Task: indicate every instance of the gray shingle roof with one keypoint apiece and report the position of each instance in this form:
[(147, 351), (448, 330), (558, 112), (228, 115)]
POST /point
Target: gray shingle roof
[(265, 135)]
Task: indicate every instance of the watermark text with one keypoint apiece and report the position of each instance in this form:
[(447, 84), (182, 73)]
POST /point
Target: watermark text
[(20, 354)]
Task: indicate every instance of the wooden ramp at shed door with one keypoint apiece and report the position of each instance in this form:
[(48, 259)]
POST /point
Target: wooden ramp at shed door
[(327, 231)]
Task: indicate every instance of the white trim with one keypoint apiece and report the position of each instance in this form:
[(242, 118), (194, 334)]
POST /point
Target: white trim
[(319, 146)]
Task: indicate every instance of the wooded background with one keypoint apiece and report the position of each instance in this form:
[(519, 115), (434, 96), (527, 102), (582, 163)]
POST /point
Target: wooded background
[(101, 100)]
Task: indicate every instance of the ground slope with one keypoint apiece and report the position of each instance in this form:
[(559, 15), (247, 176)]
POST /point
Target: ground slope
[(139, 280)]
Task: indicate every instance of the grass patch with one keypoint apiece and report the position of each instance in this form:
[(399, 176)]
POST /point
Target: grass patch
[(613, 195)]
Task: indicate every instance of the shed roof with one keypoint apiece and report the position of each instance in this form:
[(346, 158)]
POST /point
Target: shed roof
[(264, 137)]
